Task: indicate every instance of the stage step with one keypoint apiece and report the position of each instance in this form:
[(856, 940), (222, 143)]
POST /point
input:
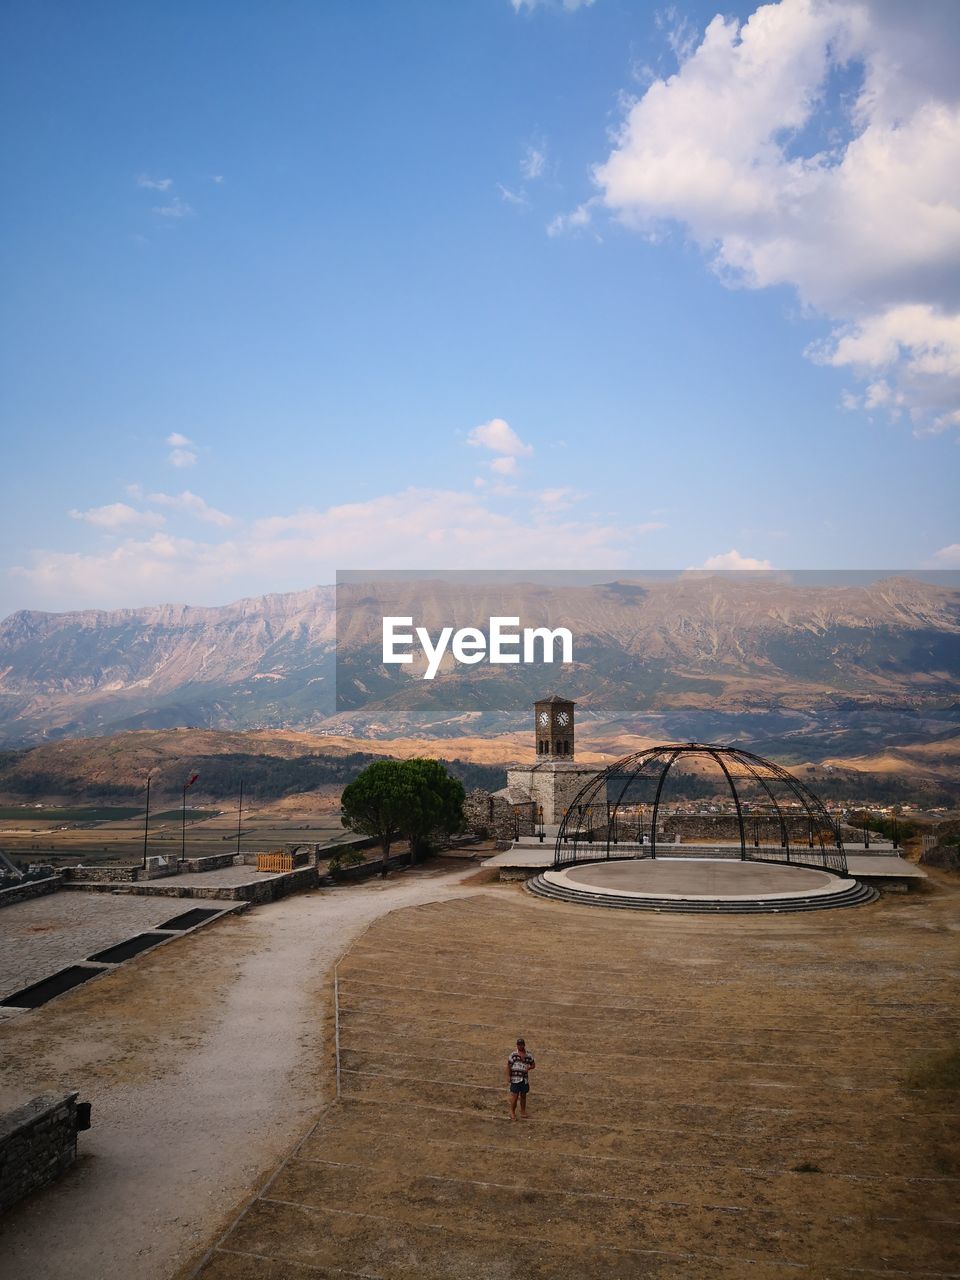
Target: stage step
[(858, 894)]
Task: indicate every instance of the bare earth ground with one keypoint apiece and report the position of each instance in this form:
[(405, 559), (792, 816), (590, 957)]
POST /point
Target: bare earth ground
[(714, 1097), (204, 1061)]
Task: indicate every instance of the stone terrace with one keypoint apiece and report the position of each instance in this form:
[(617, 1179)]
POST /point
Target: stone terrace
[(45, 934), (689, 1070)]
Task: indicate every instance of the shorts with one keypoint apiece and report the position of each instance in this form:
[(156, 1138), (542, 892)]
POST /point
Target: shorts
[(520, 1088)]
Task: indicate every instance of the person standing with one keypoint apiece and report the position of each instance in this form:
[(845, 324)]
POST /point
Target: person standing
[(519, 1065)]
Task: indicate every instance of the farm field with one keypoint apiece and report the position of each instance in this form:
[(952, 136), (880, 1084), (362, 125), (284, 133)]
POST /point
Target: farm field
[(114, 834)]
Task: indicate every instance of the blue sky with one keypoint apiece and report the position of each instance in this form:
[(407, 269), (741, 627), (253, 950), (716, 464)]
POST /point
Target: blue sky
[(293, 287)]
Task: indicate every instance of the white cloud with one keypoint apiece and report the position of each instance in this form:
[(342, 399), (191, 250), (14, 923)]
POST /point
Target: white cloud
[(533, 163), (680, 33), (751, 147), (557, 499), (734, 560), (574, 221), (442, 528), (217, 178), (569, 6), (500, 438), (183, 452), (948, 557), (505, 466), (117, 515), (177, 208), (518, 198), (154, 184), (193, 504)]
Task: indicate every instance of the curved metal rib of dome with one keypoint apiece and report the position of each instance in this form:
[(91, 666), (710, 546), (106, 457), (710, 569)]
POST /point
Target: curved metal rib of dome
[(607, 816)]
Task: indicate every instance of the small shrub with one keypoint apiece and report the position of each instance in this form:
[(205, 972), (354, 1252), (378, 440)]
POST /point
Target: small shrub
[(345, 858), (807, 1166)]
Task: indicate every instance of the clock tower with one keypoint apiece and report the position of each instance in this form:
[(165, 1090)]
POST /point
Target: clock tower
[(553, 721)]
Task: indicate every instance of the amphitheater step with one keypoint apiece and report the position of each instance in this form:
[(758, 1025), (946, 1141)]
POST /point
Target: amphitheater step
[(855, 895)]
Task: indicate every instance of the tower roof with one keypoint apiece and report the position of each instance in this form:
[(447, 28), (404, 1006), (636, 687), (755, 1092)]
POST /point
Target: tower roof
[(555, 697)]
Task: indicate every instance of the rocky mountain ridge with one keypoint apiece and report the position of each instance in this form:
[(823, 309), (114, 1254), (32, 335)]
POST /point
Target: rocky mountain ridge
[(803, 666)]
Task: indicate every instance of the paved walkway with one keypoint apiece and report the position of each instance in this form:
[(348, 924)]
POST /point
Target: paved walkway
[(204, 1060)]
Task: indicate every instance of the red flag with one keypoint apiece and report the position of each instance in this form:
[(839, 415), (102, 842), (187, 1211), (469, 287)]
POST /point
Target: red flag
[(191, 781)]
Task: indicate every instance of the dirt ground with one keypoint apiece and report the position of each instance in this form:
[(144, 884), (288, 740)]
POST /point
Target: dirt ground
[(714, 1097), (204, 1060)]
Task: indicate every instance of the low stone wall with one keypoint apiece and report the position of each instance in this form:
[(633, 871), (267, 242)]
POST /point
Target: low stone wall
[(212, 862), (259, 889), (38, 1142), (367, 870), (944, 856), (707, 827), (101, 875), (29, 889), (265, 890), (156, 869)]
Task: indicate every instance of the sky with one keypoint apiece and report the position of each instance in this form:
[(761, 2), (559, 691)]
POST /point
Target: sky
[(552, 284)]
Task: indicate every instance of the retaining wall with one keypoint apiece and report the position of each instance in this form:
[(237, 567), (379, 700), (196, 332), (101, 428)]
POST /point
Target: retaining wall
[(38, 1142), (265, 889), (30, 889)]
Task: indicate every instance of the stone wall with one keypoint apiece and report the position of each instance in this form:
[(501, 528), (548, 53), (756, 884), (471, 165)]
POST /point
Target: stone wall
[(488, 815), (944, 856), (111, 873), (38, 1142), (29, 889), (554, 785), (264, 889), (157, 867), (710, 827), (101, 874), (211, 862)]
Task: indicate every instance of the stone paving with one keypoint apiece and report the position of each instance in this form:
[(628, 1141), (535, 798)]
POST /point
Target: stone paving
[(222, 878), (43, 935)]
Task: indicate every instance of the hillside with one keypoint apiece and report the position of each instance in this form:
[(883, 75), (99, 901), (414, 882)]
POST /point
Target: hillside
[(276, 764), (271, 765)]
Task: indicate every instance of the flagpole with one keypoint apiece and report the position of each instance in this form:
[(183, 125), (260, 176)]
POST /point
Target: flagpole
[(239, 817), (146, 824), (183, 825)]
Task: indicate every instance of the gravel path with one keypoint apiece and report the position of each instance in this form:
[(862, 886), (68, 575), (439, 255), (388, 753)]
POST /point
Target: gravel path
[(204, 1061)]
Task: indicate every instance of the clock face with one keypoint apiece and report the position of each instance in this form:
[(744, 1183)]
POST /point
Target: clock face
[(544, 718), (563, 719)]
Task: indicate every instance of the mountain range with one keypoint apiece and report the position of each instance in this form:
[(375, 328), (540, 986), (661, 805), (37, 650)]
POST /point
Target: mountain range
[(796, 668)]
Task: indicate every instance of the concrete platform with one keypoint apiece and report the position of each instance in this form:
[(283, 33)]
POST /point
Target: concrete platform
[(232, 884), (723, 886), (675, 878), (867, 866)]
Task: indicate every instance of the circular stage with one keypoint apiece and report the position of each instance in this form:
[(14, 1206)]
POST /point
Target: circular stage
[(725, 886)]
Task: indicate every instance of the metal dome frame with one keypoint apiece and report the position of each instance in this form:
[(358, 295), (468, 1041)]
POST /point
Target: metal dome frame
[(591, 813)]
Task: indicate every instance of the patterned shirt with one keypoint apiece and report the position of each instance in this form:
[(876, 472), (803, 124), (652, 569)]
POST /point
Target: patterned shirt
[(519, 1066)]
